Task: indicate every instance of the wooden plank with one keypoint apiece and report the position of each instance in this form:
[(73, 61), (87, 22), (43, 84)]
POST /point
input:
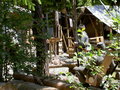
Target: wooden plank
[(64, 40), (53, 40), (106, 63)]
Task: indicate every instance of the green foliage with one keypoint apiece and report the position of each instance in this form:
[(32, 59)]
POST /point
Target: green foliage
[(52, 5), (22, 18), (114, 47), (84, 3), (74, 83), (109, 83), (15, 51), (88, 60), (23, 3), (107, 2), (81, 30), (116, 19)]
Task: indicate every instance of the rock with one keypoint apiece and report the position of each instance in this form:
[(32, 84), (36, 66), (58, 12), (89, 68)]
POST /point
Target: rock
[(56, 60), (7, 86), (101, 45), (94, 88), (21, 85), (81, 69), (57, 71), (32, 86), (1, 83)]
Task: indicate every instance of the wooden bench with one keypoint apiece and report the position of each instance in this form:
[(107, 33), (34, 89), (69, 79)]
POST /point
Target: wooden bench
[(95, 40)]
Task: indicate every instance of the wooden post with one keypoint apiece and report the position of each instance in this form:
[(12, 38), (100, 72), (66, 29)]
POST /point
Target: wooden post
[(64, 40), (102, 30), (60, 43), (111, 33), (74, 12)]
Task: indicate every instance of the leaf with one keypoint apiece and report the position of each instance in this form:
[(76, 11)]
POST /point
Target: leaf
[(29, 5), (39, 1), (79, 30), (33, 8), (15, 2), (25, 2), (83, 29)]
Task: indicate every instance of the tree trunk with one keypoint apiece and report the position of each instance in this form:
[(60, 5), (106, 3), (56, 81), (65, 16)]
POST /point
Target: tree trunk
[(40, 41), (74, 12), (1, 70)]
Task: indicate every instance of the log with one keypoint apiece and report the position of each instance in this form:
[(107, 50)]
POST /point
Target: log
[(28, 78), (69, 65), (61, 85), (96, 80)]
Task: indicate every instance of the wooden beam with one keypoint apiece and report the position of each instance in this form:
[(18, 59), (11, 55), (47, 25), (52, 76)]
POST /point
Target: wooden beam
[(96, 33)]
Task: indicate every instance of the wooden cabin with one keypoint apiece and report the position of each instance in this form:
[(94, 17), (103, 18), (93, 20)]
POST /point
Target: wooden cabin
[(98, 25), (97, 21)]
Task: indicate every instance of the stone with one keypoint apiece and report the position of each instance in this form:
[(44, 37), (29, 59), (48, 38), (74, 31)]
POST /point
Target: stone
[(7, 86), (32, 86), (80, 69), (101, 45), (21, 85)]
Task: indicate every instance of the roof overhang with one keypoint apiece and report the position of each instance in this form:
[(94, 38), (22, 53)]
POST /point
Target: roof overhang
[(101, 12)]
